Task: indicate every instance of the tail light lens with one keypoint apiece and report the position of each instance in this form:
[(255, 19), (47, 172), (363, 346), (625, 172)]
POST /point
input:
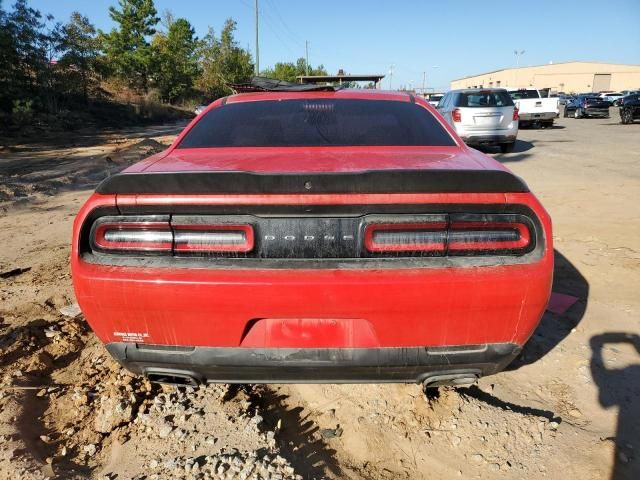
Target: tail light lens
[(472, 237), (213, 238), (428, 237), (150, 234), (456, 115), (516, 114), (460, 234)]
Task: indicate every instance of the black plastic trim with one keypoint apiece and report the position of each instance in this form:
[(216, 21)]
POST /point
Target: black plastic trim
[(314, 365), (372, 181)]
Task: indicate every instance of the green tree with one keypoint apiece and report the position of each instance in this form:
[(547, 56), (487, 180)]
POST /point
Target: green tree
[(79, 60), (24, 55), (128, 53), (176, 60), (222, 61), (8, 57), (289, 71)]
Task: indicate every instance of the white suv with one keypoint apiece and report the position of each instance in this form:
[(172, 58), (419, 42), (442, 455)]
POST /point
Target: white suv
[(485, 116)]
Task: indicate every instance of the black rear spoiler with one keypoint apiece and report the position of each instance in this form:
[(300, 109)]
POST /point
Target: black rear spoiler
[(373, 181)]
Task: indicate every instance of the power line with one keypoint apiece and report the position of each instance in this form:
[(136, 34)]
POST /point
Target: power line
[(296, 38)]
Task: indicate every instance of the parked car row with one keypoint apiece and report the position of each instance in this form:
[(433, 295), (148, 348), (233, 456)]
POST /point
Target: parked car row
[(492, 116), (594, 105)]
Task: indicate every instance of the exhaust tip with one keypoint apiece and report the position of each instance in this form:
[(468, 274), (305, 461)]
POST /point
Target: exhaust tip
[(173, 378), (454, 379)]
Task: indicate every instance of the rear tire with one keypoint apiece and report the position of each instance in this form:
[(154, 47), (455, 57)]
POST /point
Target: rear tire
[(626, 116), (507, 147), (577, 113), (566, 112)]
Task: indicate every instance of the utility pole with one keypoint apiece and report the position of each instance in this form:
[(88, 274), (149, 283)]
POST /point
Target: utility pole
[(257, 44), (306, 50), (424, 82), (390, 76)]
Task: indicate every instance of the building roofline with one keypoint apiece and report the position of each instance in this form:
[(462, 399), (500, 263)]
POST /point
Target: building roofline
[(544, 65)]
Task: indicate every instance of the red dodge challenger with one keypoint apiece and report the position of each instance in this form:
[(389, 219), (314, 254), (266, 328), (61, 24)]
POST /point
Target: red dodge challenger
[(311, 234)]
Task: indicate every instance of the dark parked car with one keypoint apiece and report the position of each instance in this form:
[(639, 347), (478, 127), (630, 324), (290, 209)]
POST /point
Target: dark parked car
[(630, 108), (564, 99), (589, 105)]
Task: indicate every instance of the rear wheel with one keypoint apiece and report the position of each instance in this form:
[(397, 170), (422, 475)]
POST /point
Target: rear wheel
[(626, 116), (566, 112), (577, 113), (507, 147)]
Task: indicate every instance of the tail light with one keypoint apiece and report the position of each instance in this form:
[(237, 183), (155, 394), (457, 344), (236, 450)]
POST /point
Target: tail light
[(456, 115), (213, 238), (467, 237), (147, 234), (425, 237), (160, 235), (516, 114), (382, 235), (458, 235)]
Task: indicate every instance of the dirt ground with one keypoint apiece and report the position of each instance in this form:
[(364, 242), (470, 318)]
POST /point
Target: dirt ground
[(567, 408)]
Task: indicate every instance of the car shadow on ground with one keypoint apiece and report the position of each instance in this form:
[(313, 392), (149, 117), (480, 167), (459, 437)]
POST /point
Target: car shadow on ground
[(519, 152), (619, 387), (555, 126), (554, 328), (299, 438)]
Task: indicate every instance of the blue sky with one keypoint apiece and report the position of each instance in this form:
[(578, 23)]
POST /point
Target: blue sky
[(460, 37)]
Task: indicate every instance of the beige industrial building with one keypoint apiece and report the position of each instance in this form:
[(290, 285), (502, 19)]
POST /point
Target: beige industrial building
[(570, 77)]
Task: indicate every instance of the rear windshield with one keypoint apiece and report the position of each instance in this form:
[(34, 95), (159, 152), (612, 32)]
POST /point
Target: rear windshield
[(317, 122), (435, 98), (519, 94), (485, 99)]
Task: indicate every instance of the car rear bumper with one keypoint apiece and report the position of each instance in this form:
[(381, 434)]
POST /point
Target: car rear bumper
[(541, 116), (488, 139), (596, 112), (433, 365)]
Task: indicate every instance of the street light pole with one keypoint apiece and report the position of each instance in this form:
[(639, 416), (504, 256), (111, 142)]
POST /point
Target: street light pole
[(257, 44), (517, 54)]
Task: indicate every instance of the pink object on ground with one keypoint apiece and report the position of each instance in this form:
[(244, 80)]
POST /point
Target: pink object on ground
[(560, 302)]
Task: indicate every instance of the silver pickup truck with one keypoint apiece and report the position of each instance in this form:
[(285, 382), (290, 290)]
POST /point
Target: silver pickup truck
[(533, 108)]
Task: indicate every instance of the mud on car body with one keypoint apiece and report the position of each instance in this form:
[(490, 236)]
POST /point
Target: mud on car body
[(314, 236)]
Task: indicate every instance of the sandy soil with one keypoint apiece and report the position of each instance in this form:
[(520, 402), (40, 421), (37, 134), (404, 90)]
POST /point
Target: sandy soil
[(568, 408)]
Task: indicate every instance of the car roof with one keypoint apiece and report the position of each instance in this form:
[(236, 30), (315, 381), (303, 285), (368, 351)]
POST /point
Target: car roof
[(475, 90), (347, 93)]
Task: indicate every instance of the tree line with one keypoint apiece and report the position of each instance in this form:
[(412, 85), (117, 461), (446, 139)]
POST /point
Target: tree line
[(47, 65)]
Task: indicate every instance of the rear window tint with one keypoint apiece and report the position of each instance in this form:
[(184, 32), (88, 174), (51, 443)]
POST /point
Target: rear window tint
[(484, 99), (317, 122), (519, 94)]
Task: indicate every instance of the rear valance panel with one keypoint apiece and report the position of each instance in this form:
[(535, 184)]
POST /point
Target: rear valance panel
[(378, 181)]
